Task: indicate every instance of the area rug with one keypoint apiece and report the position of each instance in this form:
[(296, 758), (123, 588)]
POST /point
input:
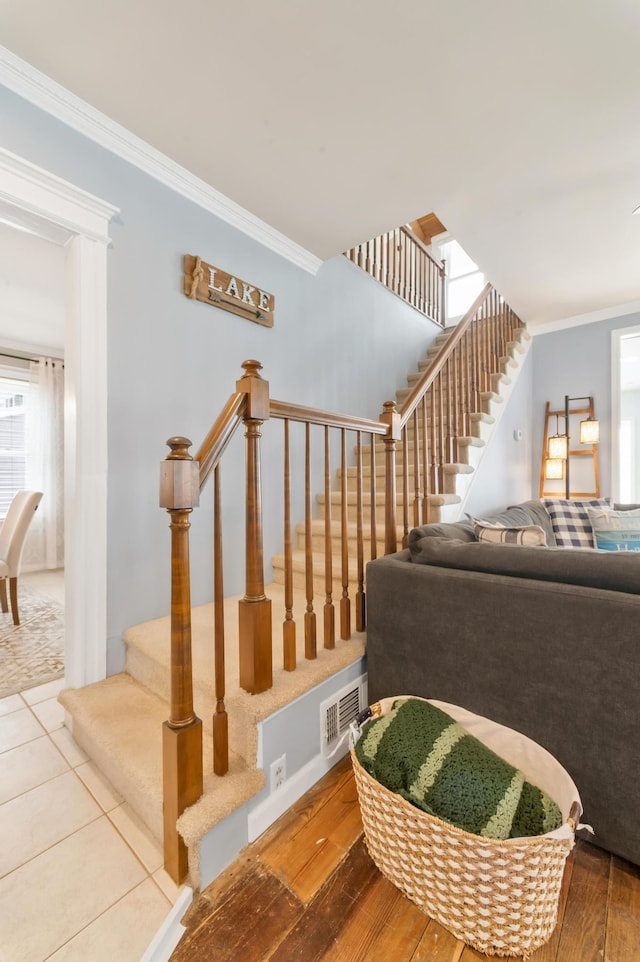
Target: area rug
[(31, 653)]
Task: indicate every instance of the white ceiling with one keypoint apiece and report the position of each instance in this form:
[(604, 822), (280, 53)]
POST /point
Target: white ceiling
[(517, 123)]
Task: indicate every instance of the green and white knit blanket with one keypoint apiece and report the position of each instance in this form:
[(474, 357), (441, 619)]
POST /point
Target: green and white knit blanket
[(422, 754)]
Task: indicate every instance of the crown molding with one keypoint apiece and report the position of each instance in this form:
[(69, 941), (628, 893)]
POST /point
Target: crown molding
[(43, 92), (592, 317)]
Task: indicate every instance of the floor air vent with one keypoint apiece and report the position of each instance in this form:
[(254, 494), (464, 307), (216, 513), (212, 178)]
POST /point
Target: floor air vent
[(337, 713)]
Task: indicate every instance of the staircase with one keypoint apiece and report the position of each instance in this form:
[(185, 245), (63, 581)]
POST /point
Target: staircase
[(120, 722), (447, 505)]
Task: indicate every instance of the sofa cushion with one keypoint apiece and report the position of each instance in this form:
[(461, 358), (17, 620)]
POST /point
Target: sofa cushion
[(570, 520), (420, 752), (615, 530), (531, 534), (456, 530), (615, 571)]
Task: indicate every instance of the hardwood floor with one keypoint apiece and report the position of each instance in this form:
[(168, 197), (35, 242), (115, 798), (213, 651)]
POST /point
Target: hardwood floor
[(308, 891)]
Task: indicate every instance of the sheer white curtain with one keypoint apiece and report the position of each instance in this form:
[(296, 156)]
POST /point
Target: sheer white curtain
[(44, 463)]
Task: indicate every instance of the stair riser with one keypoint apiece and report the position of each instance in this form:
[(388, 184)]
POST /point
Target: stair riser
[(318, 541), (319, 590), (352, 513)]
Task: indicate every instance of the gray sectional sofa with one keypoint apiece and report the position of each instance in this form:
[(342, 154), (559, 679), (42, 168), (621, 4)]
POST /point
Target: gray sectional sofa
[(545, 640)]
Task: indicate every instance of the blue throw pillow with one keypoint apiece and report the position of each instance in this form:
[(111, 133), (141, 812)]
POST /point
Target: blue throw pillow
[(615, 530)]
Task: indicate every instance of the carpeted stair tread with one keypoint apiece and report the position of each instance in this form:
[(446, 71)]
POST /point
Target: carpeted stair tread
[(148, 657), (120, 723)]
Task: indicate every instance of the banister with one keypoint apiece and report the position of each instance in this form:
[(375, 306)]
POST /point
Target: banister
[(297, 412), (212, 448), (407, 409)]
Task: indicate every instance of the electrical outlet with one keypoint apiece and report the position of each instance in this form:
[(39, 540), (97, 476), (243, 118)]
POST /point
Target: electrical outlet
[(278, 772)]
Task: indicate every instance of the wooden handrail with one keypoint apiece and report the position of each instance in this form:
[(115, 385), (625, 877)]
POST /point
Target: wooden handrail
[(224, 427), (306, 415)]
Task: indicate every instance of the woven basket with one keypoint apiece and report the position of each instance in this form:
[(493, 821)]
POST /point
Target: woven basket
[(501, 897)]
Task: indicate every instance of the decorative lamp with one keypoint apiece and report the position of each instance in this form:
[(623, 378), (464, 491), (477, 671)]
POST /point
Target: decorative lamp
[(557, 446), (554, 469), (589, 431)]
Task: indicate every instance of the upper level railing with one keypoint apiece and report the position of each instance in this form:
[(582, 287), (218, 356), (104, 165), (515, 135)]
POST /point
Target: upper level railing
[(400, 261), (428, 426)]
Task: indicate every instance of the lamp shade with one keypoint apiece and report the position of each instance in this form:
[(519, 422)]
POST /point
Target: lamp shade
[(554, 469), (557, 446), (589, 431)]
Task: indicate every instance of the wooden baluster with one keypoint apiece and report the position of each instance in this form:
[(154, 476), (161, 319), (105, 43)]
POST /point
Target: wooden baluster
[(329, 610), (182, 733), (384, 259), (449, 410), (433, 483), (485, 348), (396, 262), (373, 521), (442, 295), (412, 272), (391, 418), (503, 330), (405, 486), (455, 363), (359, 599), (289, 625), (254, 610), (220, 721), (496, 355), (425, 460), (477, 406), (417, 487), (441, 431), (310, 644), (345, 603), (466, 380)]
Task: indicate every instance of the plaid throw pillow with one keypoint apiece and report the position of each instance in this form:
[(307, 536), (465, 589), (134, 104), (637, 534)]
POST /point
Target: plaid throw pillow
[(529, 534), (570, 520)]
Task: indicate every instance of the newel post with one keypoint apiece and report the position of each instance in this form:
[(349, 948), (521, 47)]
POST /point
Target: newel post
[(182, 733), (254, 614), (391, 418)]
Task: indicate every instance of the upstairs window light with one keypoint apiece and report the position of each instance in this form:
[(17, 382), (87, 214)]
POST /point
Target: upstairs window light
[(464, 279)]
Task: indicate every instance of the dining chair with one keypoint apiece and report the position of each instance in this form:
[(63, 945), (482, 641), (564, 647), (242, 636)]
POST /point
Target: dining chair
[(12, 535)]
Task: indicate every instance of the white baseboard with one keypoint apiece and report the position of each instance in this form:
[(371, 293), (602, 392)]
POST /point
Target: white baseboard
[(171, 930), (266, 813)]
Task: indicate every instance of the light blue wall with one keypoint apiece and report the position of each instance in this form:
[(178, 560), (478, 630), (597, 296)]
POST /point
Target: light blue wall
[(577, 362), (340, 341), (504, 475)]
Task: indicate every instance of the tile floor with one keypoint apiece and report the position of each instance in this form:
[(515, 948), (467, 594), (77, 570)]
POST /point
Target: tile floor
[(81, 879)]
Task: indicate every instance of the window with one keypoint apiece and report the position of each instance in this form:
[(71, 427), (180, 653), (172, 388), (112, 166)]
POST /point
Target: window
[(14, 392), (464, 280)]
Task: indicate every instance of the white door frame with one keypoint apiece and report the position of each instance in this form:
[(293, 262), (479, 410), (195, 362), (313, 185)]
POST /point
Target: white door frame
[(616, 336), (45, 204)]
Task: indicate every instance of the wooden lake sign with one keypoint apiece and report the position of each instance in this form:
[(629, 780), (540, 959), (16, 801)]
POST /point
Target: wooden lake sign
[(207, 283)]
